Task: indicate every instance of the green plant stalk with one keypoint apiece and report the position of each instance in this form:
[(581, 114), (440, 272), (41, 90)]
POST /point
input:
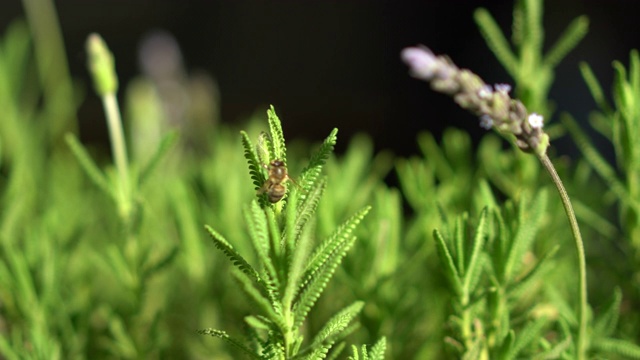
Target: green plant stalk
[(119, 149), (467, 323), (52, 64), (582, 262)]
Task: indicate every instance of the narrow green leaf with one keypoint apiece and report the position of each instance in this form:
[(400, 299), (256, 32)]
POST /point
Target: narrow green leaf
[(166, 144), (268, 304), (315, 283), (533, 20), (459, 241), (432, 151), (486, 194), (275, 237), (378, 349), (507, 346), (356, 354), (235, 258), (594, 87), (623, 348), (599, 164), (256, 220), (255, 168), (150, 269), (277, 135), (474, 350), (517, 27), (606, 323), (337, 324), (574, 33), (531, 332), (556, 351), (308, 206), (340, 235), (90, 168), (296, 268), (496, 41), (124, 345), (311, 173), (450, 270), (526, 231), (473, 268), (322, 264), (237, 344), (622, 93), (534, 273), (594, 220)]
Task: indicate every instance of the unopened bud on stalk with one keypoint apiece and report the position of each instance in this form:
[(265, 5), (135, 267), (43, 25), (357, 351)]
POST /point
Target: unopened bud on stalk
[(101, 65)]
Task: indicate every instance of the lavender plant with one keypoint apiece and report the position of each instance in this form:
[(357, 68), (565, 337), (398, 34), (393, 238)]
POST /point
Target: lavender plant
[(109, 260), (292, 273)]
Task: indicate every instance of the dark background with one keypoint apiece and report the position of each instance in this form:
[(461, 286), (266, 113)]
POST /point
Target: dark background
[(326, 64)]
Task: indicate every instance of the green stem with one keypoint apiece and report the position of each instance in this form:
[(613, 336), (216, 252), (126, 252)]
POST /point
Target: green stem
[(582, 263), (119, 149)]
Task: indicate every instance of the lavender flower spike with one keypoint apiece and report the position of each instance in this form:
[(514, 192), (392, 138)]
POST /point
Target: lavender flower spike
[(494, 106)]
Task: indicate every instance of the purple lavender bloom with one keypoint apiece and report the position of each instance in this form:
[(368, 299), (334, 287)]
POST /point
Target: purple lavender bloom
[(486, 122), (421, 61)]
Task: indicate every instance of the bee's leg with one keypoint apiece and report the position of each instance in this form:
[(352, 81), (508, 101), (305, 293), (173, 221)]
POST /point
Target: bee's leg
[(263, 189)]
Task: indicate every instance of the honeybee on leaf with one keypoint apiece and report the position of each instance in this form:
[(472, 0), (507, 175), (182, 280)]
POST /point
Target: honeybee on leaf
[(277, 175)]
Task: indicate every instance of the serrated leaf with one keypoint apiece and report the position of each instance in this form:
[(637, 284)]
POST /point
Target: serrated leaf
[(473, 268), (221, 243), (277, 135), (308, 206), (574, 33), (496, 40), (297, 264), (325, 338), (237, 344), (315, 283), (531, 332), (619, 347), (311, 173), (459, 241), (608, 320), (594, 87), (339, 236), (256, 220), (526, 230), (450, 268), (267, 304), (378, 349), (322, 264), (255, 168), (599, 164)]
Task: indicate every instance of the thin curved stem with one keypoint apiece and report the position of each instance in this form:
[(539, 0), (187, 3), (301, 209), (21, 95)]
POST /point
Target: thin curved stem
[(582, 262)]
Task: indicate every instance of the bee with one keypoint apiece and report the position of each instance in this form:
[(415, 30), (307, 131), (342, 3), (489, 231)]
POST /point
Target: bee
[(275, 185)]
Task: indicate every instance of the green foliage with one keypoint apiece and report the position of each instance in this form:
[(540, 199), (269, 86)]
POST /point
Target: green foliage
[(619, 124), (528, 66), (292, 274), (489, 290), (376, 352), (89, 271)]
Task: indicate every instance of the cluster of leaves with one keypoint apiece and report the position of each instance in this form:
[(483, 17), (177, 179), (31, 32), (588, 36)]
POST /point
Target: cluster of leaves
[(292, 273)]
